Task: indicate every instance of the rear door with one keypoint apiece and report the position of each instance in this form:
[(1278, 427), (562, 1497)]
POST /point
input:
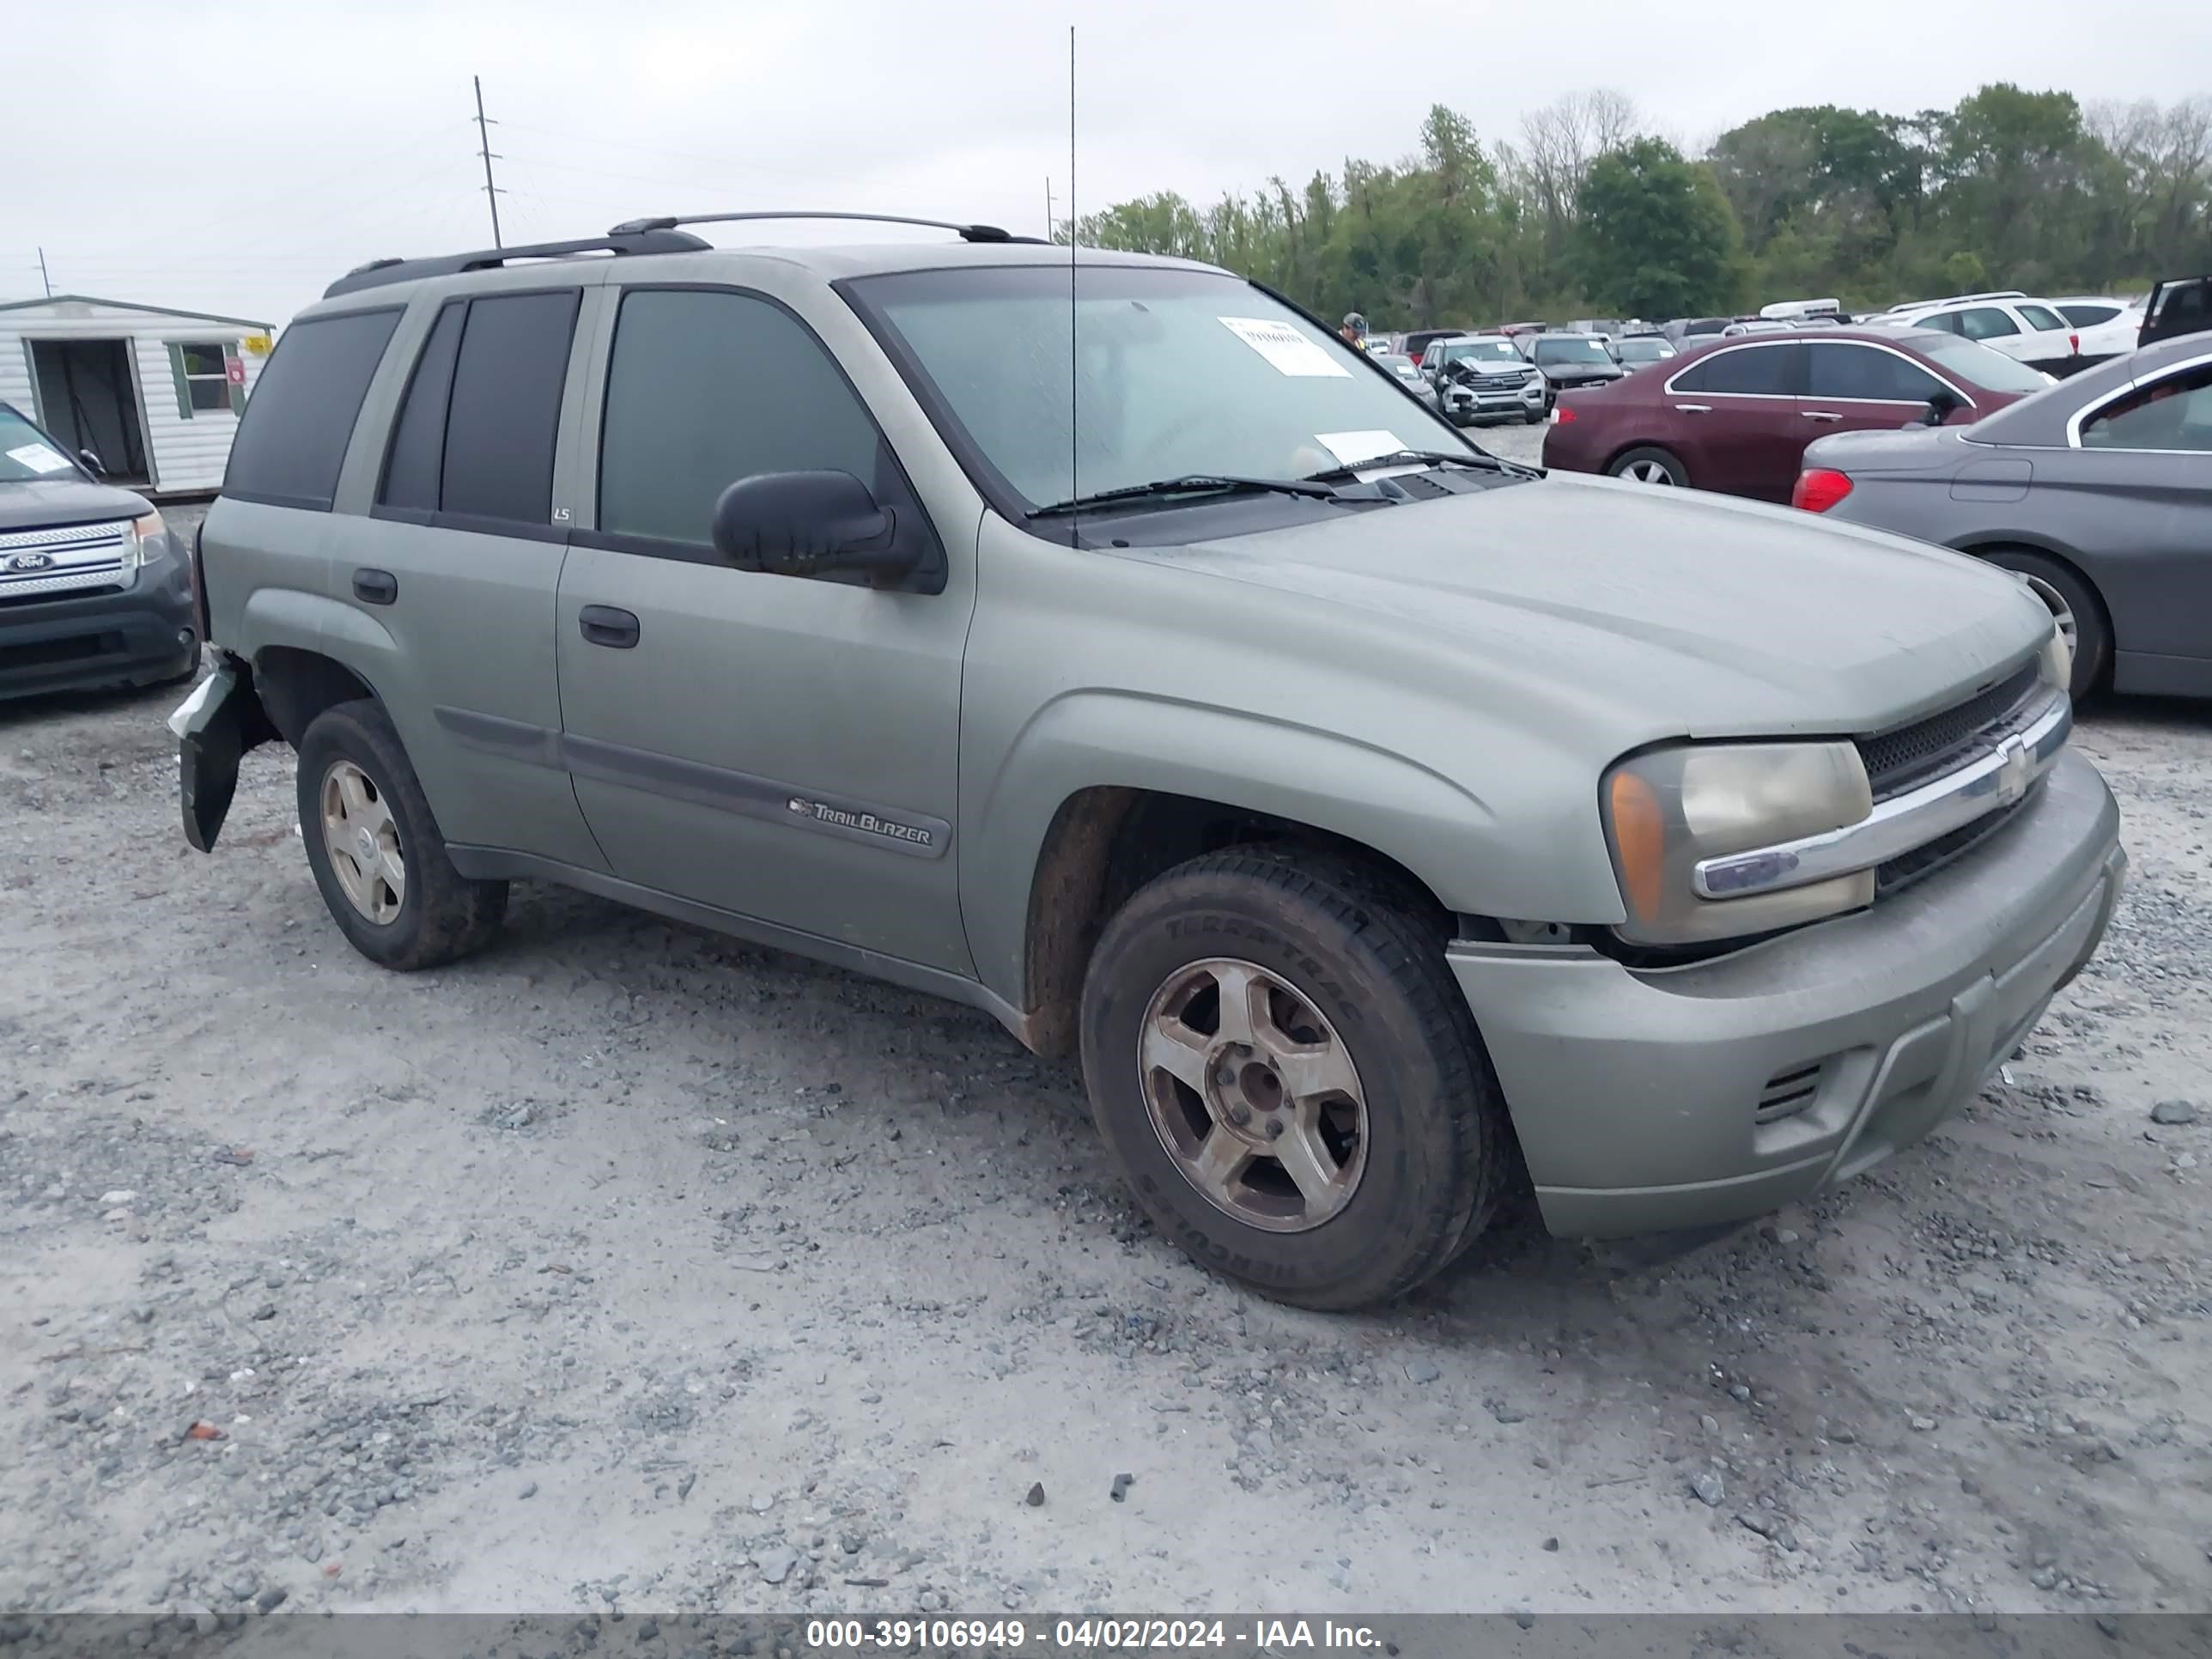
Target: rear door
[(2050, 342), (452, 574), (1733, 418), (782, 748), (1853, 387)]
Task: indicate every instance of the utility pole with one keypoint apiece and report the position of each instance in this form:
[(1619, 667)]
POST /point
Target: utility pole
[(1049, 220), (492, 191), (43, 277)]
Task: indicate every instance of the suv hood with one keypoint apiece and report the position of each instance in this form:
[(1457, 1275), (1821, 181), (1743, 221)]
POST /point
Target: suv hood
[(44, 503), (1640, 614)]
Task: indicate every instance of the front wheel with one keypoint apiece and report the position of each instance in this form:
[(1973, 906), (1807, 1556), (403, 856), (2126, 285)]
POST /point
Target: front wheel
[(1534, 417), (1649, 464), (376, 851), (1283, 1066)]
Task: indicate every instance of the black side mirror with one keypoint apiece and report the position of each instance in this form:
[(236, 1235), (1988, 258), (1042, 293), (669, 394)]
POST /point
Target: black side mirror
[(91, 458), (813, 523), (1942, 403)]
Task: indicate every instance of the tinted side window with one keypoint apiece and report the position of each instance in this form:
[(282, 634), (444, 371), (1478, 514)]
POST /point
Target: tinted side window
[(505, 409), (292, 439), (705, 388), (2175, 413), (2089, 316), (1986, 323), (416, 464), (1763, 370), (1948, 321), (2042, 317), (1867, 374)]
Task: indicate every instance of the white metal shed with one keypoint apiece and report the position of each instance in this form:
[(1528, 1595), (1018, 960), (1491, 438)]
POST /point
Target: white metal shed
[(155, 393)]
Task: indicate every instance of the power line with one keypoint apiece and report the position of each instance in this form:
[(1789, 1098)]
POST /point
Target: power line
[(484, 136)]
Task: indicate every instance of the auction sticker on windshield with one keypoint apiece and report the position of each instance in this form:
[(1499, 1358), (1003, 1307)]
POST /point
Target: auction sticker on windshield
[(1351, 448), (40, 459), (1287, 348)]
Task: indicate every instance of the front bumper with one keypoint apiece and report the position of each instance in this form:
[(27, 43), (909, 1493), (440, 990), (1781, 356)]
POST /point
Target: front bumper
[(136, 636), (1637, 1095), (1476, 402)]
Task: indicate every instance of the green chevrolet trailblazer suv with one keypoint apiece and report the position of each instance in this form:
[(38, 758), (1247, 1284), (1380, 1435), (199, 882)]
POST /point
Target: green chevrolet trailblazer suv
[(1101, 642)]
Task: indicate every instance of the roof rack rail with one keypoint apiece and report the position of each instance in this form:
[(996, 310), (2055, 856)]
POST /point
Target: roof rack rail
[(1958, 299), (966, 232), (651, 238)]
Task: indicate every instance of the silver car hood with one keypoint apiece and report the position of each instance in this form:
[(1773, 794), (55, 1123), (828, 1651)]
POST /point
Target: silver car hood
[(1637, 613)]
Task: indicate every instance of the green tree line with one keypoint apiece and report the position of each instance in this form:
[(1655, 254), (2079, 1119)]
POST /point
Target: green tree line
[(1585, 211)]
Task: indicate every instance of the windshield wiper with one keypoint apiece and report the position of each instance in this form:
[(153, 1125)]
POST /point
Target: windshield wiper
[(1423, 458), (1192, 484)]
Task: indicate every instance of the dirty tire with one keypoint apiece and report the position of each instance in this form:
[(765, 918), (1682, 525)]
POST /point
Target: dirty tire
[(1535, 416), (442, 916), (1648, 463), (2092, 630), (1440, 1151)]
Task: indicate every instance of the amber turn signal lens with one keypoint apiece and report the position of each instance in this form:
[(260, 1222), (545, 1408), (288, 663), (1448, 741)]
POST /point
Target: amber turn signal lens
[(1639, 834)]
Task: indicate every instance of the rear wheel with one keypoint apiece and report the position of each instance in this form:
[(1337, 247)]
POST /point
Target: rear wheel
[(2077, 608), (1649, 464), (1281, 1062), (375, 848)]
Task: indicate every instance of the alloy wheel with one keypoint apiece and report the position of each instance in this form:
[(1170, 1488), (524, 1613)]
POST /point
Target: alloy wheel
[(362, 840), (1254, 1095)]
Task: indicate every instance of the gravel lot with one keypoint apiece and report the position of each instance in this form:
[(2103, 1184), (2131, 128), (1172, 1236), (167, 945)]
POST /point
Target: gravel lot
[(627, 1266)]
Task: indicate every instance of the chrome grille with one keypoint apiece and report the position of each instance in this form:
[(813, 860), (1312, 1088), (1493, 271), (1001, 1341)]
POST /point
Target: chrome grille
[(1907, 755), (81, 558)]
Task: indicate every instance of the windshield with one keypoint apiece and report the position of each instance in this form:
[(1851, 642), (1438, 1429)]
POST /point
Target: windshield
[(1483, 351), (1180, 372), (26, 454), (1991, 370), (1644, 351), (1582, 350)]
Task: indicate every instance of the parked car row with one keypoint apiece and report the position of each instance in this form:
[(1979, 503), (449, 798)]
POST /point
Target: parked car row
[(1735, 414)]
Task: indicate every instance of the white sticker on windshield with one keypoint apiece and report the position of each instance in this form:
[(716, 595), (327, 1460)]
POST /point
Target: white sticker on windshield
[(38, 459), (1285, 346), (1351, 448)]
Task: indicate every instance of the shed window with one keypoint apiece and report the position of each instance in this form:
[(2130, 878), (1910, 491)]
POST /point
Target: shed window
[(203, 378)]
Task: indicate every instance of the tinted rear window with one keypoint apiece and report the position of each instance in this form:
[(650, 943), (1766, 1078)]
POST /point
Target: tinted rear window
[(505, 411), (292, 439), (2089, 316), (1769, 371), (417, 463)]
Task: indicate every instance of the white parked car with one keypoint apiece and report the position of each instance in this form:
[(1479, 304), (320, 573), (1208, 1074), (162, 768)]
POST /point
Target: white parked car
[(2027, 330), (2107, 327)]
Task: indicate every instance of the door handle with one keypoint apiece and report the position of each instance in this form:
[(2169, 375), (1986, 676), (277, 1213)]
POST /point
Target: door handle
[(603, 624), (1693, 409), (1819, 415), (375, 586)]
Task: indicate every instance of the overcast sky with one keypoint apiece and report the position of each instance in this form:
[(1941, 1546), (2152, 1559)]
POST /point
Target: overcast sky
[(234, 157)]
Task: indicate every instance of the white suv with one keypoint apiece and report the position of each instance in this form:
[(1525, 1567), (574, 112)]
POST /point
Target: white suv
[(2107, 327), (2028, 331)]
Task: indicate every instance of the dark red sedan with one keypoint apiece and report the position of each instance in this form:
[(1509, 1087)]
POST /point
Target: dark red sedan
[(1734, 415)]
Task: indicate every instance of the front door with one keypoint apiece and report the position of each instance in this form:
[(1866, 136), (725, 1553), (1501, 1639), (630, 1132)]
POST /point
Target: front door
[(1857, 386), (780, 747)]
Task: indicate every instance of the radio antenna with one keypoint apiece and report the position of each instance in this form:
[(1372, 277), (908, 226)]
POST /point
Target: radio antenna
[(1073, 489)]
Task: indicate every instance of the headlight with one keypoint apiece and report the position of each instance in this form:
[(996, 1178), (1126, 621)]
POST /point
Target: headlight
[(1669, 808), (142, 531)]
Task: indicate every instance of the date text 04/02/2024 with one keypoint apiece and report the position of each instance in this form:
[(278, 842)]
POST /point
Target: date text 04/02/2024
[(1088, 1634)]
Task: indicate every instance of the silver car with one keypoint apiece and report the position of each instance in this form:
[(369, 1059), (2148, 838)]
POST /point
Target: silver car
[(1380, 823), (1483, 377), (2099, 488)]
